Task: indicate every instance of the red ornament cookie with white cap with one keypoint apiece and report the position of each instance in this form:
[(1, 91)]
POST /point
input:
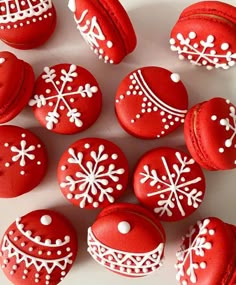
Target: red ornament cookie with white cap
[(151, 102), (67, 99), (127, 239), (93, 173), (207, 255), (38, 248), (26, 24), (23, 161), (169, 182)]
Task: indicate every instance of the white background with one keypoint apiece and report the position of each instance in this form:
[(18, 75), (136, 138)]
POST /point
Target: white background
[(152, 20)]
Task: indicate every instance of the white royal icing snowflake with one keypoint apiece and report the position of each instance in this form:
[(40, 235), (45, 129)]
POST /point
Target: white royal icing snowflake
[(93, 178), (174, 186), (61, 97), (197, 245), (204, 50)]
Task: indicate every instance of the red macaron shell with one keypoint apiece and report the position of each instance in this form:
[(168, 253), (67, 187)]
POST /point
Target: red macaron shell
[(210, 134), (208, 254), (23, 160), (93, 173), (26, 24), (106, 27), (170, 183), (67, 99), (214, 47), (38, 248), (16, 85), (151, 102), (127, 241)]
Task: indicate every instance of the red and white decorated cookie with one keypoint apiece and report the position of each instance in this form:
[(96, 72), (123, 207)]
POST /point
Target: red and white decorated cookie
[(93, 173), (23, 161), (38, 248), (208, 254), (212, 47), (67, 99), (151, 102), (127, 239), (106, 28), (169, 182), (26, 24)]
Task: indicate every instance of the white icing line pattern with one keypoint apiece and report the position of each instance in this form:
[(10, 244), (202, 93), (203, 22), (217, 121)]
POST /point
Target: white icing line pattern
[(173, 188), (92, 33), (93, 177), (64, 96), (151, 102), (126, 263), (205, 51), (197, 245)]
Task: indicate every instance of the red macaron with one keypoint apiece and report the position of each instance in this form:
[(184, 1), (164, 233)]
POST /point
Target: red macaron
[(205, 34), (106, 28), (210, 134)]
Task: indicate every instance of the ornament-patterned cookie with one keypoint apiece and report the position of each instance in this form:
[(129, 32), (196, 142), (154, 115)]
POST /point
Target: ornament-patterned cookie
[(67, 99), (212, 47), (151, 102), (127, 239), (23, 161), (170, 183), (38, 248), (93, 173)]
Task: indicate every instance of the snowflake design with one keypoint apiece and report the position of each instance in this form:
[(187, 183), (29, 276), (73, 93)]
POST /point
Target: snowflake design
[(196, 245), (175, 188), (62, 103), (93, 177), (205, 52), (23, 152)]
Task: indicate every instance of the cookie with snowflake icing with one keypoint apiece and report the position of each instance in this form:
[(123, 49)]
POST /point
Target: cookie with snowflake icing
[(23, 160), (169, 182), (146, 104), (26, 24), (38, 248), (67, 99), (106, 28), (207, 255), (210, 134), (93, 173), (127, 239), (214, 47)]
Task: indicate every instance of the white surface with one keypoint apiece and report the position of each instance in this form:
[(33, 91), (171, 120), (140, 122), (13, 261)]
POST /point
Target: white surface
[(153, 20)]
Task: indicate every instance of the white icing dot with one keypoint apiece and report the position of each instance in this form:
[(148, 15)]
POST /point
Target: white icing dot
[(12, 6), (49, 253), (87, 145), (192, 35), (6, 144), (172, 41), (40, 252), (7, 164), (124, 227), (36, 275), (175, 77), (63, 273), (221, 150), (22, 172), (214, 118), (109, 44), (95, 204), (59, 252), (23, 135), (114, 156), (31, 249), (50, 104), (119, 187), (63, 167), (23, 277), (36, 280), (26, 271), (22, 244), (46, 220), (28, 233), (211, 232), (225, 46), (203, 265), (47, 241), (39, 163)]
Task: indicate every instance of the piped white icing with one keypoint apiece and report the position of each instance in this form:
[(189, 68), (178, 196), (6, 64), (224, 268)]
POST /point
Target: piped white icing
[(124, 227), (46, 220), (2, 60), (72, 5)]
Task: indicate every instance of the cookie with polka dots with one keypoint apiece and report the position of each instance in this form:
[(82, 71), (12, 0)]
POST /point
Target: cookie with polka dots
[(38, 248), (151, 102), (23, 160), (67, 99), (93, 173), (128, 240), (105, 27), (26, 24)]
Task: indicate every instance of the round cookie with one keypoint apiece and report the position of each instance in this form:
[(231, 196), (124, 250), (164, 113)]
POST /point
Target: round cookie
[(169, 182), (106, 28), (67, 99), (38, 248), (151, 102), (127, 239), (93, 173), (16, 85), (26, 24), (23, 161)]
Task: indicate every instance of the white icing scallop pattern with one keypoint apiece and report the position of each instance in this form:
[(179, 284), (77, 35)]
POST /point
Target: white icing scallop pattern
[(151, 102), (126, 263), (92, 33), (203, 52), (197, 245), (94, 176)]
